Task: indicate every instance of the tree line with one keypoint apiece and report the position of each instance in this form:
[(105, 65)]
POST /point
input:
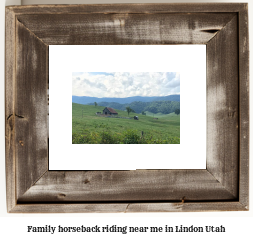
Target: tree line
[(164, 107)]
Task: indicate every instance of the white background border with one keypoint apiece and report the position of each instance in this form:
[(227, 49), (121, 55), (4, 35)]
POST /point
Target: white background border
[(188, 60)]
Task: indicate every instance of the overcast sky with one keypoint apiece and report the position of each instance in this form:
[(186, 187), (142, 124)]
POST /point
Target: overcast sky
[(126, 84)]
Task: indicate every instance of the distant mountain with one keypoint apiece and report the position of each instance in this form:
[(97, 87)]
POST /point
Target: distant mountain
[(164, 107), (88, 100)]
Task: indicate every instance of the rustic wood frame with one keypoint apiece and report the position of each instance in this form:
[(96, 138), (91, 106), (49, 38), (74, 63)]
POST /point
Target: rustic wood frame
[(223, 186)]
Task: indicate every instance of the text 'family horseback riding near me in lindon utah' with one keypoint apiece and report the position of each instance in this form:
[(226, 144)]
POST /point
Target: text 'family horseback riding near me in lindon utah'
[(135, 107)]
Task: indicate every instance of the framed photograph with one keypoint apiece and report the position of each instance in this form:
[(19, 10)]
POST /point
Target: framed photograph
[(100, 37), (148, 136)]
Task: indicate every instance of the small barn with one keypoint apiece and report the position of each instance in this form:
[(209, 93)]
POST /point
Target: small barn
[(109, 111)]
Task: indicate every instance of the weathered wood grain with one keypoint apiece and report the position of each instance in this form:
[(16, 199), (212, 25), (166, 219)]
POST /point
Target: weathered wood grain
[(139, 185), (186, 207), (244, 106), (129, 207), (223, 186), (223, 107), (129, 8), (30, 109), (9, 109), (134, 29)]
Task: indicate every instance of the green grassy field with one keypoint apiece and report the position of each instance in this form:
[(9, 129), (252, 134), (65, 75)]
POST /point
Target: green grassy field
[(86, 122)]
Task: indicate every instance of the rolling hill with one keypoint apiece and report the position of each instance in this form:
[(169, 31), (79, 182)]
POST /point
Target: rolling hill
[(87, 100), (164, 107), (87, 127)]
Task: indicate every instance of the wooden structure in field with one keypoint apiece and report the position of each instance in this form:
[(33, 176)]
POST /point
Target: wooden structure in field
[(109, 111)]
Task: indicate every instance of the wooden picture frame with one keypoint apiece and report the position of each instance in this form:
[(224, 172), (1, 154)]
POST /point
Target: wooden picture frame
[(222, 186)]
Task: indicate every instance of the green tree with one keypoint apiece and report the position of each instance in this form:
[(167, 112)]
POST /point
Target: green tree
[(95, 104), (153, 109), (177, 111), (129, 110), (143, 113)]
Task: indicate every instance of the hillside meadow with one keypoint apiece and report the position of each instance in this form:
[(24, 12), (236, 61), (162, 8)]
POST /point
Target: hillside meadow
[(89, 128)]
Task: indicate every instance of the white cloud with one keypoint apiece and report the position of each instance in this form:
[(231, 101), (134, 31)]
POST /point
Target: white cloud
[(125, 84)]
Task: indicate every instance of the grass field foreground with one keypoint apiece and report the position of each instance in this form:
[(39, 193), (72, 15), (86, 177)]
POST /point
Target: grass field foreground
[(89, 128)]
